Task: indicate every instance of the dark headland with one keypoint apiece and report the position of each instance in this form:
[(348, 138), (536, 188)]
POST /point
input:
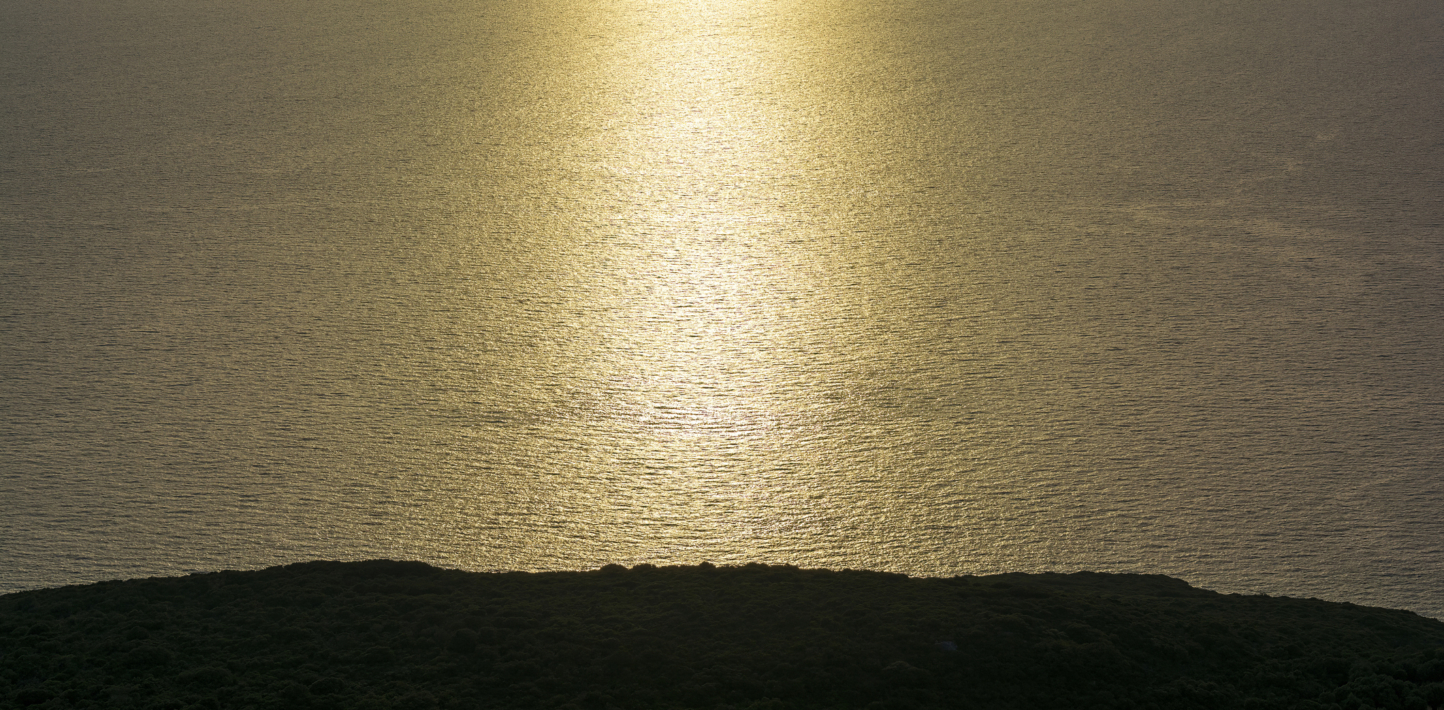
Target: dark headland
[(406, 635)]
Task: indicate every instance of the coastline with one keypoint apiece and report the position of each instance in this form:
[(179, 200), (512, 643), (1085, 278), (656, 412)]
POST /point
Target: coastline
[(405, 634)]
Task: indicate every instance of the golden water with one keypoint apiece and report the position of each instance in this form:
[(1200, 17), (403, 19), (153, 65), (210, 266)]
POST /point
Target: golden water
[(938, 287)]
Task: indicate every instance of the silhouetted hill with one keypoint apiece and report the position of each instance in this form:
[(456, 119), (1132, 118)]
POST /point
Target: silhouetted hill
[(385, 634)]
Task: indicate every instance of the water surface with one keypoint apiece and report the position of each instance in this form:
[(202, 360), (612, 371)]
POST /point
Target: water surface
[(934, 287)]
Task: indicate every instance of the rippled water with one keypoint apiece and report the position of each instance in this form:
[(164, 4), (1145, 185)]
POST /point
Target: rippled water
[(941, 287)]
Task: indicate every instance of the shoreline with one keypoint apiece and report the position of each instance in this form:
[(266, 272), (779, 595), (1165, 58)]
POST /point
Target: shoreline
[(385, 633)]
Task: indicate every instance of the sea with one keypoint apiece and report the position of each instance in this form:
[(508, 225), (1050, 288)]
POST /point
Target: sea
[(940, 287)]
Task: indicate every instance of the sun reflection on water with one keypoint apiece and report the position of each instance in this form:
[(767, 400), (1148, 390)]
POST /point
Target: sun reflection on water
[(692, 289), (697, 385)]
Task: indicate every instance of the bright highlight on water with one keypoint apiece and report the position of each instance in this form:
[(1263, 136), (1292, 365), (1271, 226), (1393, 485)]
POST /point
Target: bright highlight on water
[(930, 287)]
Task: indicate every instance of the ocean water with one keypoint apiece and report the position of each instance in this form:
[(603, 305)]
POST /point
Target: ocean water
[(933, 286)]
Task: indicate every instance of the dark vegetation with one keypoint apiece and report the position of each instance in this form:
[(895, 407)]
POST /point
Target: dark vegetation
[(406, 635)]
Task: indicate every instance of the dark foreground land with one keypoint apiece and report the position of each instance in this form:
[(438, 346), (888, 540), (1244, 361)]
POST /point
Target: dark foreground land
[(405, 635)]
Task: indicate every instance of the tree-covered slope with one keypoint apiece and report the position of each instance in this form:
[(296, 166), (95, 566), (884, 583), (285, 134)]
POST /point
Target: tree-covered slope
[(406, 635)]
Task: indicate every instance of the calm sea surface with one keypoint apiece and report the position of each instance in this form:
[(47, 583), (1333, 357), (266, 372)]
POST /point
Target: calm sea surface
[(933, 286)]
